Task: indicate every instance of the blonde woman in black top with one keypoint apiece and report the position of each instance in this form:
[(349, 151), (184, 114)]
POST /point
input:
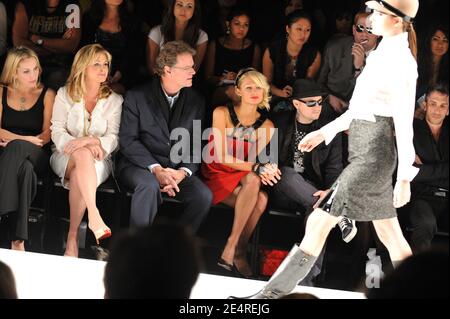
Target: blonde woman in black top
[(25, 112)]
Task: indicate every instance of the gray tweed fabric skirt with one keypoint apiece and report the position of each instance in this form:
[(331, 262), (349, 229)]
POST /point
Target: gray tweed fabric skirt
[(364, 188)]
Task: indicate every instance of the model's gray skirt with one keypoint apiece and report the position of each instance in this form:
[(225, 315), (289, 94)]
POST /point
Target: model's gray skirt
[(364, 189)]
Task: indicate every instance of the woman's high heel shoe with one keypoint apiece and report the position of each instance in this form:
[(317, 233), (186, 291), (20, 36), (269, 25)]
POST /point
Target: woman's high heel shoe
[(101, 233)]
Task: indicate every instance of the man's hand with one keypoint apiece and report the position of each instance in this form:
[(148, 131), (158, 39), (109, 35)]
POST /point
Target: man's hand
[(3, 143), (178, 174), (402, 193), (321, 195), (359, 55), (166, 180), (310, 141)]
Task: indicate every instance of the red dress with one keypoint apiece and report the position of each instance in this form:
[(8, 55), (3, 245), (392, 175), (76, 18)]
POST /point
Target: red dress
[(222, 180)]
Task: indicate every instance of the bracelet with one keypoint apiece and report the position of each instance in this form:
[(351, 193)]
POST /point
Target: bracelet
[(255, 167)]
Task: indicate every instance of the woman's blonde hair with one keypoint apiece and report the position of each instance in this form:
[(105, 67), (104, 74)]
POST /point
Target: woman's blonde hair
[(76, 86), (260, 80), (13, 59)]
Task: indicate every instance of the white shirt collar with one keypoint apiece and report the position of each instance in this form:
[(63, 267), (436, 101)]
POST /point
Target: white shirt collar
[(170, 99)]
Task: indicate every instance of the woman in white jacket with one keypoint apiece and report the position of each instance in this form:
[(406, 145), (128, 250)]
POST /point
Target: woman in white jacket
[(85, 126)]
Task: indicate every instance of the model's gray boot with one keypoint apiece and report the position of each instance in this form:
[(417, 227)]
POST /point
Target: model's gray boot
[(292, 270)]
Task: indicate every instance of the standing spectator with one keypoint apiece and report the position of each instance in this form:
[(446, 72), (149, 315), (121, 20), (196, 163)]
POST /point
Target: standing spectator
[(42, 26), (108, 23), (25, 112), (429, 189), (232, 173), (3, 29), (151, 113), (343, 61), (85, 124), (229, 54), (290, 58), (181, 22)]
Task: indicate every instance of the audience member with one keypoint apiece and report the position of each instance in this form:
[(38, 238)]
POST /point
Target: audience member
[(151, 114), (108, 23), (343, 61), (429, 189), (241, 133), (421, 276), (290, 58), (42, 25), (3, 29), (25, 112), (306, 176), (7, 282), (433, 58), (158, 262), (181, 22), (85, 126), (229, 54)]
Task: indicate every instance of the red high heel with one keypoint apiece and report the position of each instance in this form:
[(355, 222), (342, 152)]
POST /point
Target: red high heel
[(101, 233)]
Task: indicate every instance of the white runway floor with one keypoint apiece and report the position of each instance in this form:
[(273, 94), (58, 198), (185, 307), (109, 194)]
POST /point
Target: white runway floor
[(42, 276)]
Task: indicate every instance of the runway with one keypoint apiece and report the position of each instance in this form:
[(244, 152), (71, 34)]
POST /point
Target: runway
[(43, 276)]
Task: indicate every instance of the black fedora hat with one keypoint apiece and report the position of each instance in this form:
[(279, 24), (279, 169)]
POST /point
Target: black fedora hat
[(307, 88)]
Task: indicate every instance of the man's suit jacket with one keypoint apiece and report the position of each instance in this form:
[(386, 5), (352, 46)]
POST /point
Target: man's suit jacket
[(337, 71), (147, 122)]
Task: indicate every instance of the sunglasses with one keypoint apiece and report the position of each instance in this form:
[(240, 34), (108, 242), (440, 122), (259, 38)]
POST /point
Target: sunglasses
[(312, 103), (394, 10), (360, 28)]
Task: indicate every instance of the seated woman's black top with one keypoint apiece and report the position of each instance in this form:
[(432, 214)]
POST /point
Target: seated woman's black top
[(232, 60), (26, 123), (281, 63)]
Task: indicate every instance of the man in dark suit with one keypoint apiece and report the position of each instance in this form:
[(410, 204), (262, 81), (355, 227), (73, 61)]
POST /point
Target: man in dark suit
[(428, 207), (343, 61), (153, 115)]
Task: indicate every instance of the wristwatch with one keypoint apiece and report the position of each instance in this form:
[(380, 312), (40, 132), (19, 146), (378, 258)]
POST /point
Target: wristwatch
[(39, 42)]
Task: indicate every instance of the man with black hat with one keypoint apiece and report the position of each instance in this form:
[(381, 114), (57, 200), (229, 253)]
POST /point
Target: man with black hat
[(306, 176)]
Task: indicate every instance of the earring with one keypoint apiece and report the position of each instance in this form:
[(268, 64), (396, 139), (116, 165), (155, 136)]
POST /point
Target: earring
[(228, 30)]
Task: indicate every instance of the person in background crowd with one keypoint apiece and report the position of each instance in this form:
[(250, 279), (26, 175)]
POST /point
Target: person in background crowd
[(25, 112), (229, 54), (3, 29), (433, 58), (343, 61), (108, 23), (42, 25), (85, 127), (290, 58), (181, 22)]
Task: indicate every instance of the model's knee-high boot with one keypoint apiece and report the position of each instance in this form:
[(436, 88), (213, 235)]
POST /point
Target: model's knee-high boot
[(292, 270)]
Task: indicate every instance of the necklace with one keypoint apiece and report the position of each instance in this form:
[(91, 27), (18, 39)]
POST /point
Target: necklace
[(22, 101)]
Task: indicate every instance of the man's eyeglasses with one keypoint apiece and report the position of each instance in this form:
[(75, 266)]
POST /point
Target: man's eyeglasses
[(312, 103), (360, 28), (185, 69)]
